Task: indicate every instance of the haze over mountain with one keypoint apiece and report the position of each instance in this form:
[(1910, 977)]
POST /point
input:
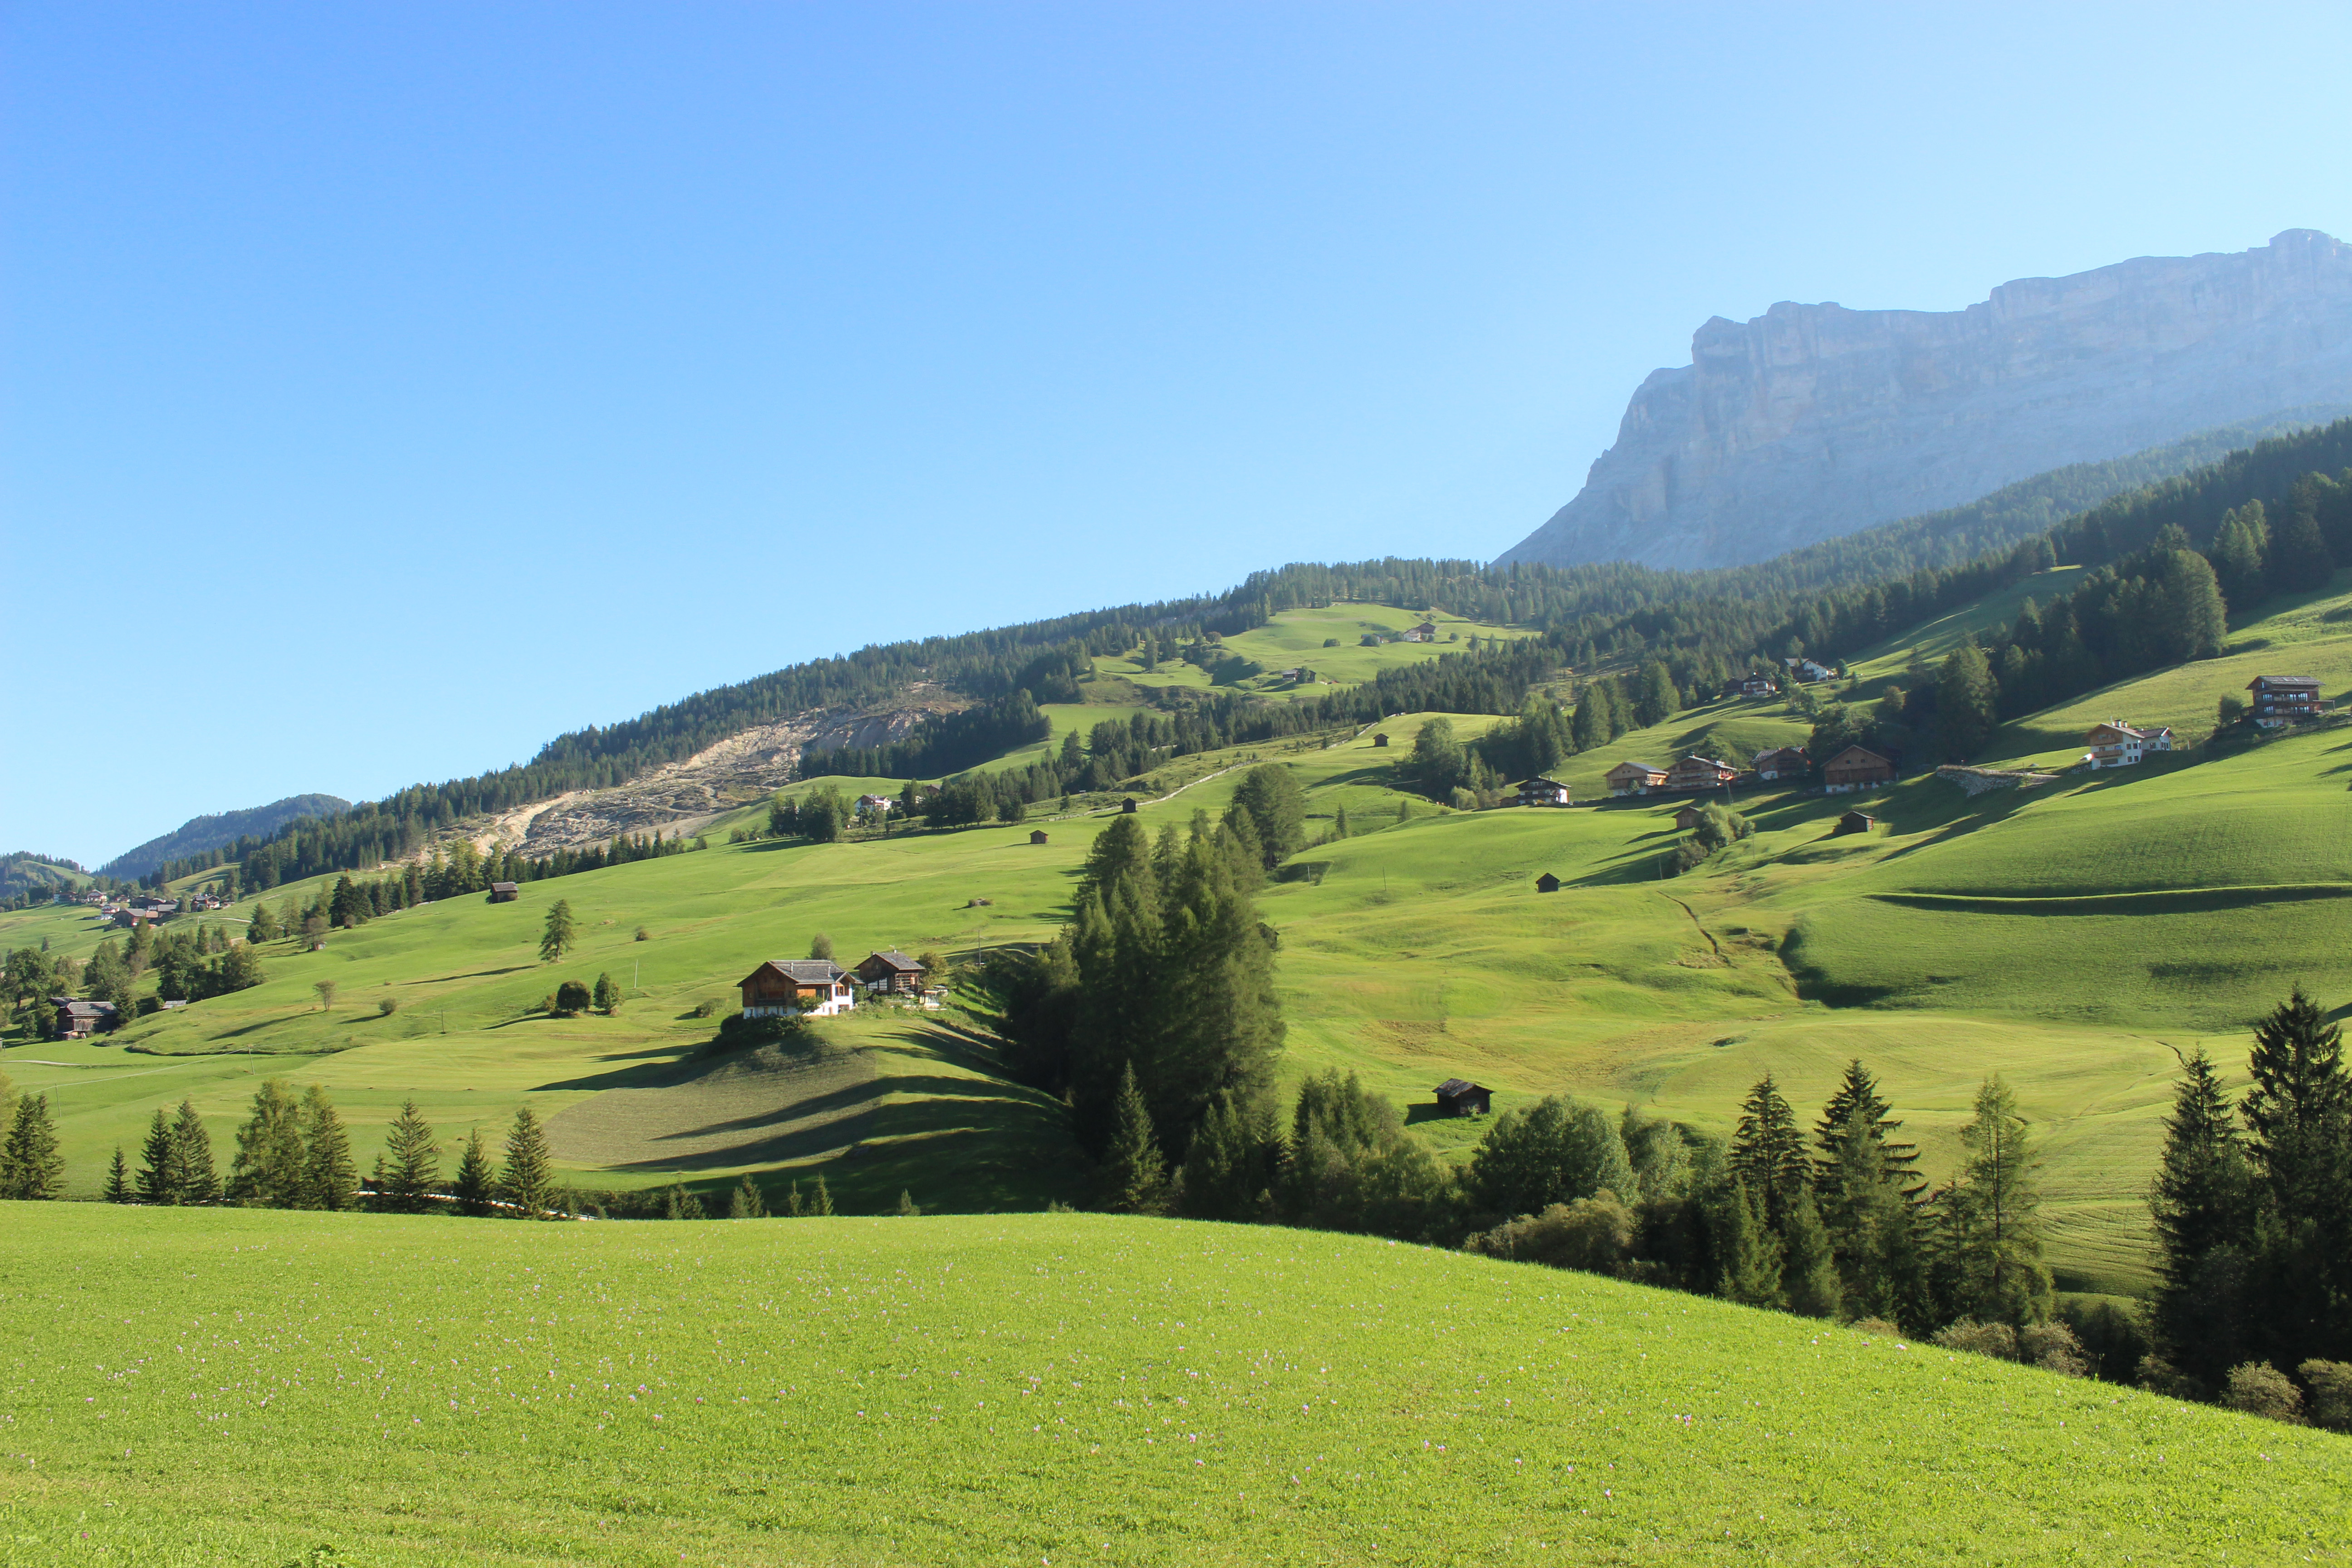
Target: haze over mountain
[(219, 830), (1813, 421)]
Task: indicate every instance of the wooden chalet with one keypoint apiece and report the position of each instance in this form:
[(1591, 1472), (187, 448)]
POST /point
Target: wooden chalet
[(2283, 699), (1634, 778), (78, 1019), (1855, 768), (1782, 762), (1425, 632), (891, 971), (1036, 835), (1853, 822), (1543, 792), (1460, 1097), (792, 987), (2115, 745), (1752, 686), (504, 892), (1547, 883), (1700, 773)]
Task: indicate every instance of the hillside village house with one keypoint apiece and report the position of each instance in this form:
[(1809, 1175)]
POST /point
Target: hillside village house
[(891, 971), (1807, 671), (2283, 699), (792, 987), (1782, 762), (1425, 632), (2115, 745), (1700, 773), (1854, 769), (874, 804), (1752, 686), (1634, 778), (77, 1020), (1542, 792)]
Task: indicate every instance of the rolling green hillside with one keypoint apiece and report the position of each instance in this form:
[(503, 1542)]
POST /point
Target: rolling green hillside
[(207, 1386)]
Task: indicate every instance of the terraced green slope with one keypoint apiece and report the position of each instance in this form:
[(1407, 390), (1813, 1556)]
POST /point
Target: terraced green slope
[(189, 1387)]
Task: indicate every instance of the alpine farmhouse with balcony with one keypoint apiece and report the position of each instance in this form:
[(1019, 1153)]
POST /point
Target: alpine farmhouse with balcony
[(2115, 745), (891, 971), (2284, 699), (1700, 773), (1855, 768), (1634, 778), (1782, 762), (794, 987), (1543, 792)]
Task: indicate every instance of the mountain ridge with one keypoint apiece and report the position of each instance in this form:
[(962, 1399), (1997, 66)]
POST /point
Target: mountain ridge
[(218, 830), (1812, 422)]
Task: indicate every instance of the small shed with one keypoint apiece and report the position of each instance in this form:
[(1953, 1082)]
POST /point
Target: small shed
[(1460, 1097), (504, 892), (1547, 883), (1687, 818), (1853, 822), (1126, 807), (1036, 835), (1382, 739)]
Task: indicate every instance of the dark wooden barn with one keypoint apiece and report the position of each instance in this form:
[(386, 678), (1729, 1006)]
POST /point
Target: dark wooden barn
[(1037, 835), (1853, 822), (1547, 883), (1460, 1097), (504, 892)]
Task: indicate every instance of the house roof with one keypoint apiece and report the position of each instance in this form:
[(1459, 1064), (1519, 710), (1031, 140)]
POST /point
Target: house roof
[(2283, 683), (1853, 753), (800, 971), (502, 886), (2130, 731), (73, 1009), (1706, 763), (1776, 752), (1538, 782), (1633, 768), (1452, 1087), (1857, 816), (895, 960)]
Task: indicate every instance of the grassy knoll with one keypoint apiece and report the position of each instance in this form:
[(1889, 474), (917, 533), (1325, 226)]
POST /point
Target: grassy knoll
[(1933, 639), (1295, 637), (187, 1387)]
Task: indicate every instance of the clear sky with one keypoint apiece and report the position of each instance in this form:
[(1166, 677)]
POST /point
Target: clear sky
[(385, 389)]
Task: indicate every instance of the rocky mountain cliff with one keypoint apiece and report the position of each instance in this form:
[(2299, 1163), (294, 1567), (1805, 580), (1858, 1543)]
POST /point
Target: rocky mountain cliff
[(1813, 421)]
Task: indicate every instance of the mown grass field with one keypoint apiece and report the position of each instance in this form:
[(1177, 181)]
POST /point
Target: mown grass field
[(185, 1387)]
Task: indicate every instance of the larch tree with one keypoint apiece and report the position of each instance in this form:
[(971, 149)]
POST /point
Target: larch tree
[(269, 1169), (1991, 1236), (561, 935)]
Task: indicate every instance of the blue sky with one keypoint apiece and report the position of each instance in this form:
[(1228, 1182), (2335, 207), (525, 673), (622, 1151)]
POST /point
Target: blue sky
[(385, 389)]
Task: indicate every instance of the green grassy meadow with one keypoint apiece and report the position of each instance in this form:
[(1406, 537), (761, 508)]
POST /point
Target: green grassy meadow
[(185, 1387)]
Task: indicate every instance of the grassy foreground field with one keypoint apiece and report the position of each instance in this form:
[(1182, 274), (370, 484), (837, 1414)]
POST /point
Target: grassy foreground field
[(184, 1387)]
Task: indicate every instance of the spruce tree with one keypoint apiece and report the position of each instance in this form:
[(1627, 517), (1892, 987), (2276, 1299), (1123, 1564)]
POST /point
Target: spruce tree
[(2202, 1204), (821, 1206), (1873, 1228), (527, 1180), (2298, 1118), (157, 1168), (330, 1178), (1767, 1151), (269, 1169), (906, 1208), (31, 1169), (1226, 1172), (118, 1179), (747, 1202), (559, 935), (476, 1177), (1746, 1249), (1859, 1091), (194, 1176), (414, 1165), (1135, 1174), (680, 1204)]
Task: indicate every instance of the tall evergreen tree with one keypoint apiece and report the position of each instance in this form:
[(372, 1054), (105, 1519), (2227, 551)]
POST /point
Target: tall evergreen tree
[(821, 1204), (1768, 1152), (156, 1166), (2237, 551), (606, 997), (2202, 1204), (31, 1168), (268, 1170), (1989, 1235), (194, 1176), (118, 1179), (1228, 1169), (476, 1177), (680, 1204), (1808, 1275), (414, 1167), (746, 1202), (1135, 1173), (1746, 1248), (1858, 1090), (559, 935), (1967, 700), (527, 1180), (330, 1179), (2298, 1117), (1658, 701), (1873, 1226)]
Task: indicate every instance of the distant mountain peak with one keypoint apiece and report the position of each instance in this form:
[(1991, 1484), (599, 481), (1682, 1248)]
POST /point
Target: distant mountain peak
[(1813, 421)]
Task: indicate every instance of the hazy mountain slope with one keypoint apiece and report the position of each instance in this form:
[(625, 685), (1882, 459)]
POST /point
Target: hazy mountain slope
[(23, 871), (218, 831), (1813, 421)]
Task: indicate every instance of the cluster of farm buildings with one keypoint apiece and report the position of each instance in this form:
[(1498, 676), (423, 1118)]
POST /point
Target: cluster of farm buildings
[(820, 988)]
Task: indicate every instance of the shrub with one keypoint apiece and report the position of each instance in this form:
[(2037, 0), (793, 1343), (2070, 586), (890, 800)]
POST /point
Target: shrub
[(2330, 1382), (2053, 1347), (707, 1008), (385, 1006), (1330, 642), (1592, 1234), (1996, 1339), (571, 998), (644, 935), (1462, 799), (2114, 1337), (737, 1032), (2159, 1375), (2258, 1388), (1879, 1326)]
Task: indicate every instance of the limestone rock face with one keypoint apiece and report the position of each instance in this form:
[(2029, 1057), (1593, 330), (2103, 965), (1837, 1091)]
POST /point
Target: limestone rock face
[(1813, 421)]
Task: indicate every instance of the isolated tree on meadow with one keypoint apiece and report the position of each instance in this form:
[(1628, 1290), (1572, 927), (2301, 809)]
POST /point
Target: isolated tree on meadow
[(527, 1179), (118, 1188), (326, 990), (607, 995), (561, 935), (193, 1175), (412, 1167), (821, 947)]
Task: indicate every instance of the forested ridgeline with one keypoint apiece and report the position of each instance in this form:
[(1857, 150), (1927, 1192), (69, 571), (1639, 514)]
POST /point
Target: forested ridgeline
[(1588, 612)]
